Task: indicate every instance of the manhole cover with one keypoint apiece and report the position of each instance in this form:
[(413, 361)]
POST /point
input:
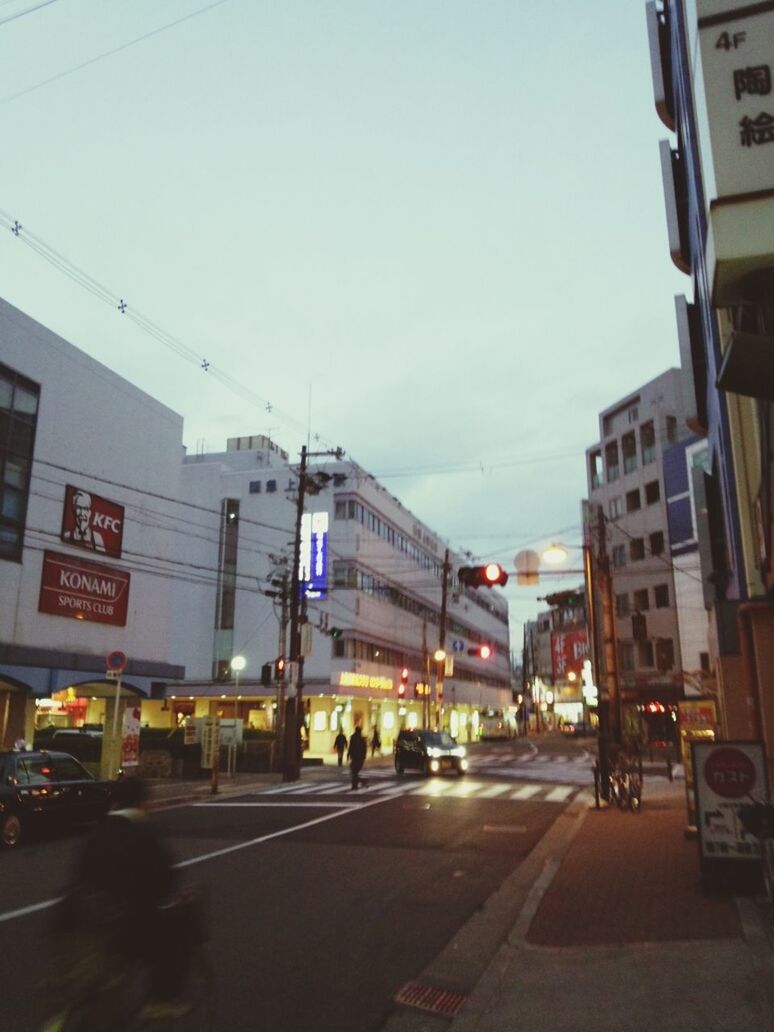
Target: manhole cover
[(427, 998)]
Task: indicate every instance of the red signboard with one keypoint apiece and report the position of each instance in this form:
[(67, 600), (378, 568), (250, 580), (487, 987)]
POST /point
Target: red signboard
[(568, 651), (91, 522), (83, 590), (730, 773)]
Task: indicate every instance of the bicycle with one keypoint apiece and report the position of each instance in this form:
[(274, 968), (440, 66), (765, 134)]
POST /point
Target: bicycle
[(97, 988), (625, 785)]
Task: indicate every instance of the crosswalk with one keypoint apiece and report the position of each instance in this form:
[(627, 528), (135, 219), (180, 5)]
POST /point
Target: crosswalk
[(387, 784)]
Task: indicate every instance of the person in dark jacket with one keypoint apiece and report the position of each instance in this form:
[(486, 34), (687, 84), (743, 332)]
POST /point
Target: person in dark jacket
[(376, 742), (340, 744), (356, 755)]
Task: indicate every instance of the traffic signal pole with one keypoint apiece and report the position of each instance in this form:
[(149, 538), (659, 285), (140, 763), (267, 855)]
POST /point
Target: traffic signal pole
[(440, 668)]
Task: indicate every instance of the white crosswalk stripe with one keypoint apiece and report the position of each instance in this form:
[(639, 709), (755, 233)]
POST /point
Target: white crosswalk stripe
[(449, 788)]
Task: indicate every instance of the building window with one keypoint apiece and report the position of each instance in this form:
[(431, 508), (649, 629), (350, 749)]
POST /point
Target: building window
[(615, 508), (645, 654), (633, 414), (271, 486), (648, 443), (671, 429), (622, 605), (657, 543), (652, 492), (641, 602), (619, 555), (595, 469), (18, 422), (633, 500), (661, 596), (704, 662), (665, 654), (636, 549), (627, 655), (255, 487), (611, 462), (340, 511), (629, 449)]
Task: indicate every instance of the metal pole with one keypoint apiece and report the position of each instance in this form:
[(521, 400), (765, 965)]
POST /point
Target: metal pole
[(292, 705), (441, 663)]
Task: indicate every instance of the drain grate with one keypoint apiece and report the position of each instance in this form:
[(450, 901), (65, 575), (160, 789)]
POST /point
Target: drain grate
[(425, 997)]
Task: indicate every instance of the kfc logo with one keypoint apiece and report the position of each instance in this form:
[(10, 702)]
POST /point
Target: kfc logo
[(92, 522)]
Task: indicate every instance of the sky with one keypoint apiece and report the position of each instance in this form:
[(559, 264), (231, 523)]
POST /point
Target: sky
[(431, 232)]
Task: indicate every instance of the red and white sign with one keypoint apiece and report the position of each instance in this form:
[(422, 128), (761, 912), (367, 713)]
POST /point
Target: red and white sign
[(726, 775), (116, 661), (568, 651), (130, 737), (83, 590), (92, 522)]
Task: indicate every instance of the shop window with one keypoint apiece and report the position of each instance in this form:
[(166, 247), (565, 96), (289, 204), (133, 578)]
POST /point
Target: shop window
[(652, 492)]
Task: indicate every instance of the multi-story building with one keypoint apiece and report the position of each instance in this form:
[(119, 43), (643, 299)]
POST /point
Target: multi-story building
[(555, 652), (628, 533), (712, 72), (112, 540)]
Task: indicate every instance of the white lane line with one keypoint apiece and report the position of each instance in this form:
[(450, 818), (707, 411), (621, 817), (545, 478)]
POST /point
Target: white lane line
[(560, 793), (494, 790), (434, 788), (289, 789), (24, 911), (464, 788), (526, 792), (296, 803)]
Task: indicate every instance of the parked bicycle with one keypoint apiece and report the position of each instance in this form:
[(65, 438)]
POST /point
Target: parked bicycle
[(625, 782)]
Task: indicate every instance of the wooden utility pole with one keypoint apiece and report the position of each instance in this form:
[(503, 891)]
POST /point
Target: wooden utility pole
[(440, 665)]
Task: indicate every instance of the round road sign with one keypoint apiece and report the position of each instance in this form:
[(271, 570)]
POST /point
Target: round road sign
[(117, 661), (730, 773)]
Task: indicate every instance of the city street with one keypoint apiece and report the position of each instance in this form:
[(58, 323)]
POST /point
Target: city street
[(324, 902)]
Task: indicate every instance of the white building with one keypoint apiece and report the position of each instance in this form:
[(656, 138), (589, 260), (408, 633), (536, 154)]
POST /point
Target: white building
[(113, 540)]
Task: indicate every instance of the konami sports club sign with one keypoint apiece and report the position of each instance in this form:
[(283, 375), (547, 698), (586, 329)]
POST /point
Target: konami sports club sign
[(83, 590)]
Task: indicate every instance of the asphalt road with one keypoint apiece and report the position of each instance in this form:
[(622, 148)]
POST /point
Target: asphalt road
[(322, 902)]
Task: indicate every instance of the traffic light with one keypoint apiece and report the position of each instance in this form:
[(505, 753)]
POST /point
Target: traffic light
[(481, 651), (266, 675), (566, 599), (335, 632), (482, 576), (404, 676), (279, 669)]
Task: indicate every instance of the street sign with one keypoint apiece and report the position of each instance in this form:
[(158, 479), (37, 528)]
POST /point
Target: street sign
[(458, 646), (116, 661)]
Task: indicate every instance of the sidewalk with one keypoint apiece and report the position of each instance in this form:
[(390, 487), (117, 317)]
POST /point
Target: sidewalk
[(616, 935)]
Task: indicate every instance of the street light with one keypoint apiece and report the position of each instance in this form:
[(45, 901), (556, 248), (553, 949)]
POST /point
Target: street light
[(238, 663)]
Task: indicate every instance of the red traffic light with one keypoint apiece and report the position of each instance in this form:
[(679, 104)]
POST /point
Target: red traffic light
[(404, 676), (482, 651), (279, 668), (482, 576)]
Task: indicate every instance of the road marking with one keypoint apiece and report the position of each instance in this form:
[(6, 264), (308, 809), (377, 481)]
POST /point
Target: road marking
[(559, 794), (507, 829), (526, 792), (434, 788), (296, 803), (493, 790), (464, 788), (24, 911)]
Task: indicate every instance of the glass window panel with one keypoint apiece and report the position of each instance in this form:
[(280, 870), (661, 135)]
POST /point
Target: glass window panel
[(25, 401), (12, 503)]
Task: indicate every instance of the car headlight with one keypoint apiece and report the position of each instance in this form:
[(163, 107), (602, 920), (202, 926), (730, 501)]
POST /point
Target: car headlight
[(459, 751), (435, 765), (433, 751)]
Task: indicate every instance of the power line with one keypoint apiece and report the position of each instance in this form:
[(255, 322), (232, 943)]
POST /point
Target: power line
[(30, 10)]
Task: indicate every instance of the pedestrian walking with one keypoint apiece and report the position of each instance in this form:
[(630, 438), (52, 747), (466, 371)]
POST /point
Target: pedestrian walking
[(356, 754), (340, 744), (376, 742)]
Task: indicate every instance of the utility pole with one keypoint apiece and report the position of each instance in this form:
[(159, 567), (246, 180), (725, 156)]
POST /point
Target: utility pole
[(440, 667), (294, 708)]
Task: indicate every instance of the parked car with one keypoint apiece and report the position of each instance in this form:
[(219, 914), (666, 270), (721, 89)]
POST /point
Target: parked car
[(430, 752), (578, 730), (47, 788)]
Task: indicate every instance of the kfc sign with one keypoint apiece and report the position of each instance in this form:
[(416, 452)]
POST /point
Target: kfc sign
[(568, 651), (83, 590), (89, 521)]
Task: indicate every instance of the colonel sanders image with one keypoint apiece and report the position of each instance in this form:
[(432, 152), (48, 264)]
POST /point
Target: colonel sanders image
[(82, 534)]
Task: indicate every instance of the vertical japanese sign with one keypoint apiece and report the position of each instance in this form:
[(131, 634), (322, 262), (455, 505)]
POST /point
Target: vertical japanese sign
[(569, 649), (130, 737), (727, 775), (313, 559), (737, 53)]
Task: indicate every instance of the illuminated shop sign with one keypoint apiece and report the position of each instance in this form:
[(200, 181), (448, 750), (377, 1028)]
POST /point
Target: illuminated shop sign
[(348, 679), (313, 558), (83, 590), (568, 651), (91, 522)]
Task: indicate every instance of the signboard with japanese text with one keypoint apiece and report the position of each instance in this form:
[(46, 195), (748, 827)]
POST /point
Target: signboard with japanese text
[(737, 58), (313, 558), (130, 737), (83, 590), (92, 522), (569, 649), (697, 721), (726, 776)]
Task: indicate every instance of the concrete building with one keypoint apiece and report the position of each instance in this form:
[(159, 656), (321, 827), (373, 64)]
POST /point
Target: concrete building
[(628, 533), (712, 72), (113, 541)]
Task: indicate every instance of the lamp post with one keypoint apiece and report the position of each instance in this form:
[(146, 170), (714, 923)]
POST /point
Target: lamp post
[(238, 663)]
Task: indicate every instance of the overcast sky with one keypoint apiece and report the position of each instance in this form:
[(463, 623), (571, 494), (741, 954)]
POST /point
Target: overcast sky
[(430, 231)]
